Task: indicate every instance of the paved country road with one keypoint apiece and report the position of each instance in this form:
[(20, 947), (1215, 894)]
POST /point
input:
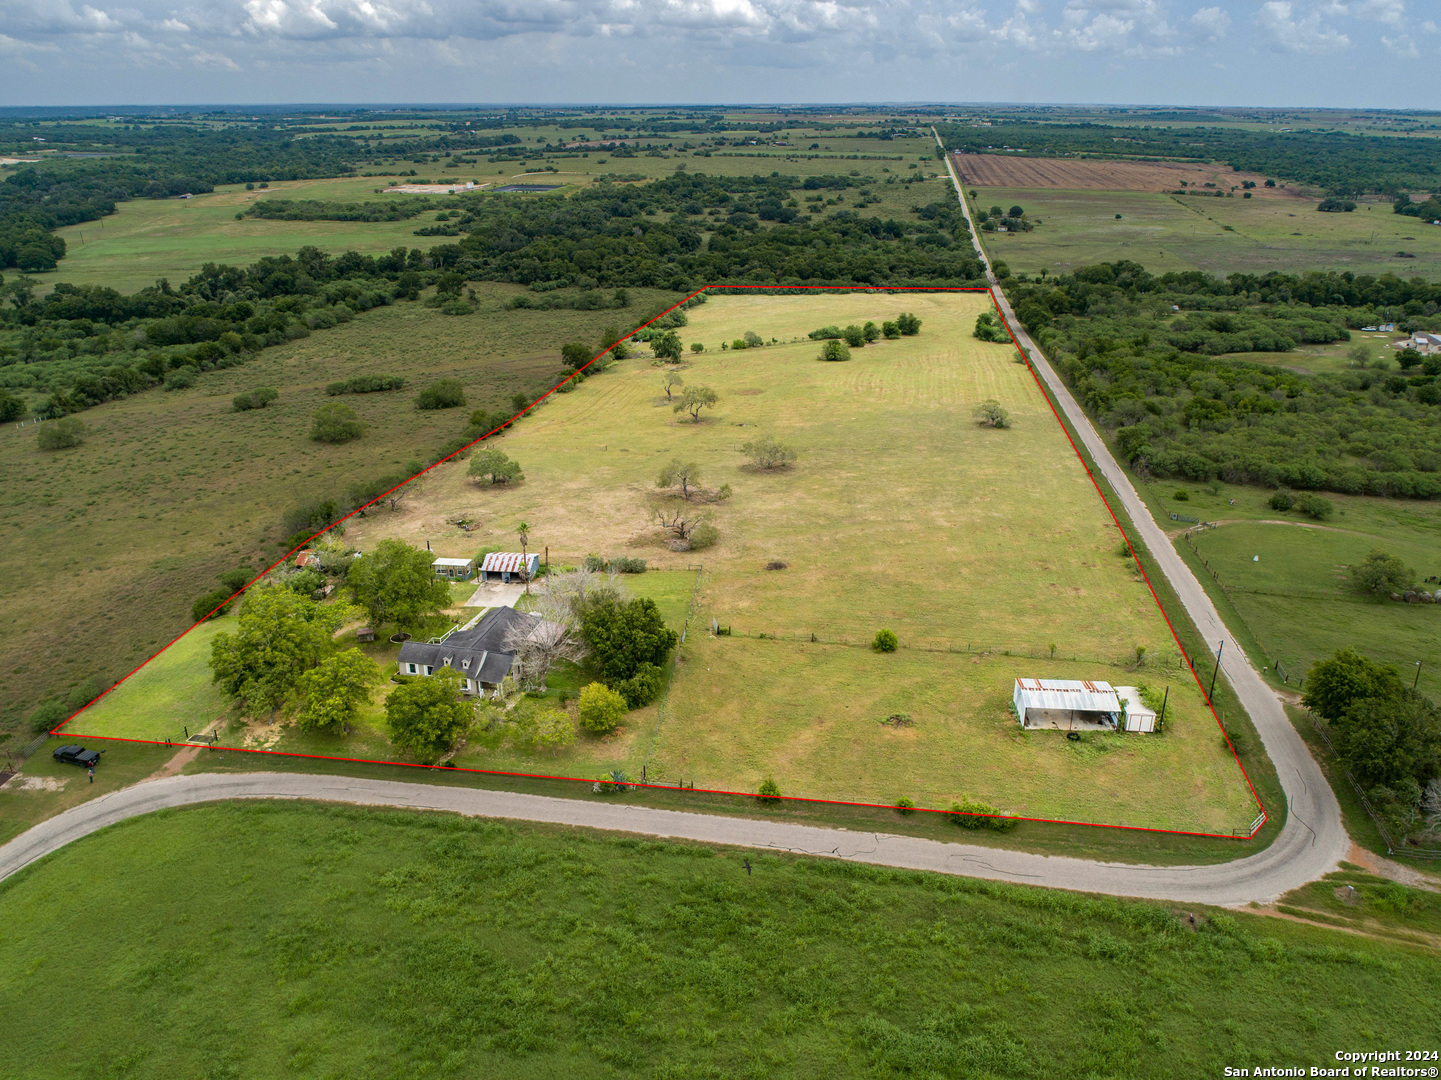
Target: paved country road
[(1259, 877), (1313, 839)]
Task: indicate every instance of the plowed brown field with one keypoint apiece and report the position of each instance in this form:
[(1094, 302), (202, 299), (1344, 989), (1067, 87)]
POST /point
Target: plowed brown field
[(1007, 171)]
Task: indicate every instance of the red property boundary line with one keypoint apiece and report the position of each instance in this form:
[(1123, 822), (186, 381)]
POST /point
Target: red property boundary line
[(452, 769)]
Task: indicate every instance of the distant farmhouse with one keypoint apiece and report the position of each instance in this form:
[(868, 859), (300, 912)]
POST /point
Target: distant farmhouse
[(477, 653), (1426, 344)]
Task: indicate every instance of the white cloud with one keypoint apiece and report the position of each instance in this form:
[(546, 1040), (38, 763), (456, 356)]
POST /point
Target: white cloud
[(920, 46), (1390, 12), (1131, 27), (202, 58), (1210, 24), (1293, 33)]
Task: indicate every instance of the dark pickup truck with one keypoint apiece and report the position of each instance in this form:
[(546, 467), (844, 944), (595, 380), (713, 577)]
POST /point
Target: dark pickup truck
[(77, 755)]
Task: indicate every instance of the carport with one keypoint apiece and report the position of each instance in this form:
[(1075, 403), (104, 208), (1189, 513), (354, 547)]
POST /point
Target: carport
[(1066, 704)]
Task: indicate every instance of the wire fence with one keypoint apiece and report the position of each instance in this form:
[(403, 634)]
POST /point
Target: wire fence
[(1154, 660), (1277, 666), (665, 694)]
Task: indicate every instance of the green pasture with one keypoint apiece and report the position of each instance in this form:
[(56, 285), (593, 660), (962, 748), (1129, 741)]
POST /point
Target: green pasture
[(810, 717), (169, 694), (148, 239), (1332, 359), (901, 513), (283, 939), (1294, 604), (1220, 236), (1300, 607), (104, 547)]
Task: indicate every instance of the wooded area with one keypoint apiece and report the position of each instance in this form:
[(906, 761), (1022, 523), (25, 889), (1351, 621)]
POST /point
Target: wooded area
[(1146, 353)]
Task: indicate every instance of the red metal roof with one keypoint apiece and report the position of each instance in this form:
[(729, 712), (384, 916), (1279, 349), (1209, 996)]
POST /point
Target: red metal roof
[(507, 562)]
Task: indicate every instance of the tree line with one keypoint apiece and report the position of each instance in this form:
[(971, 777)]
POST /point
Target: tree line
[(655, 235), (82, 345), (1387, 736)]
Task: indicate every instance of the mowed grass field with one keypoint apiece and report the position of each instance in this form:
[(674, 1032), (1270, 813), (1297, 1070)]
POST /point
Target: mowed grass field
[(1300, 606), (1221, 236), (149, 239), (104, 547), (1295, 602), (169, 697), (283, 939), (902, 513)]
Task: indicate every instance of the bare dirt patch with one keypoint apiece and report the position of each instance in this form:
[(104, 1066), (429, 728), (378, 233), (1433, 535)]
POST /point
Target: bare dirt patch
[(39, 783), (433, 189), (1000, 170)]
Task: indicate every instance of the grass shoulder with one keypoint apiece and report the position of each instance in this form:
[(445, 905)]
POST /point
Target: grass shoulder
[(439, 930)]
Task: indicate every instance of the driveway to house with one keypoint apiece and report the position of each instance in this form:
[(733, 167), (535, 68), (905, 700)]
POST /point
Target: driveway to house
[(1260, 877), (1313, 839), (496, 594)]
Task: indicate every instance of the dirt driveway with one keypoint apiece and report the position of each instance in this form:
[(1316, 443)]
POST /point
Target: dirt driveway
[(495, 594)]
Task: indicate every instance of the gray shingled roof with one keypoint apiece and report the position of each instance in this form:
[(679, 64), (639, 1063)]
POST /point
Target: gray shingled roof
[(483, 645)]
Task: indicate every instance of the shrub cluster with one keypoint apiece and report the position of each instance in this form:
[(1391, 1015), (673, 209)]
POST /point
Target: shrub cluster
[(972, 814), (365, 384), (258, 398), (442, 394), (623, 564)]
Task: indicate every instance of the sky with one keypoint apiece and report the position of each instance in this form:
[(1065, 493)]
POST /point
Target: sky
[(1322, 53)]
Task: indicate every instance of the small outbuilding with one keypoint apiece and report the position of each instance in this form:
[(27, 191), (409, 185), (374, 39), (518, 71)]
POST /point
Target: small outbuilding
[(365, 633), (1136, 715), (1066, 704), (454, 569), (501, 565)]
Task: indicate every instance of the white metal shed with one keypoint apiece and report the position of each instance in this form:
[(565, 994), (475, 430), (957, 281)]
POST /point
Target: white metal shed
[(453, 568), (1066, 704)]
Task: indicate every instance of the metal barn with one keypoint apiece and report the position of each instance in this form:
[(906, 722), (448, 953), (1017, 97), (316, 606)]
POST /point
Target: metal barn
[(1066, 704), (500, 565)]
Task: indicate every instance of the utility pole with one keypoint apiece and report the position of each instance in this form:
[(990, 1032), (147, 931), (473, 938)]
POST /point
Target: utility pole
[(1210, 694), (1162, 721), (1417, 679)]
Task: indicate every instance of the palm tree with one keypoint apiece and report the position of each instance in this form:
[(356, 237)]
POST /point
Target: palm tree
[(523, 531)]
